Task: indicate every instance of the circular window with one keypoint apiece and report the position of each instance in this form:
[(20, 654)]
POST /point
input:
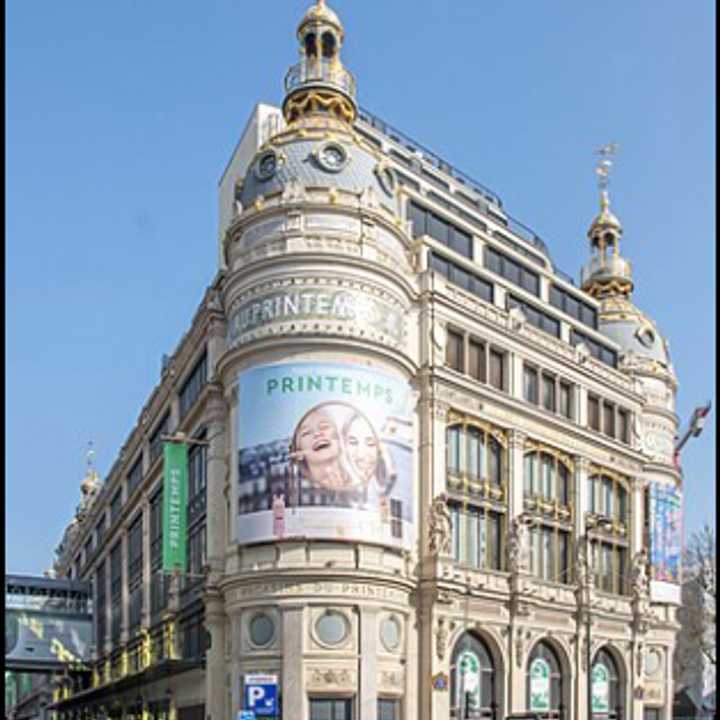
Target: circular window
[(390, 633), (332, 628), (262, 630), (646, 336), (266, 166), (386, 178), (332, 157)]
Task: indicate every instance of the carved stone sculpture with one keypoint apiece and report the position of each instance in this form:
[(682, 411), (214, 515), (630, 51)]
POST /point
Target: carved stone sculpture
[(439, 526), (518, 552), (441, 638)]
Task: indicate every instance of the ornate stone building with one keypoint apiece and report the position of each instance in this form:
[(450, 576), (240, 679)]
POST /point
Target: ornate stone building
[(437, 477)]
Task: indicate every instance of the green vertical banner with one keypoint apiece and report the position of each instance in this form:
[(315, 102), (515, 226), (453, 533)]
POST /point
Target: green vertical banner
[(175, 500)]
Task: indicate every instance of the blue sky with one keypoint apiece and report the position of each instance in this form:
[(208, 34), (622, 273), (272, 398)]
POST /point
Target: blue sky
[(120, 118)]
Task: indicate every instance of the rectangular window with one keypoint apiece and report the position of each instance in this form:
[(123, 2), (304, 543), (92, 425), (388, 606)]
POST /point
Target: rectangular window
[(599, 352), (530, 384), (388, 709), (462, 277), (566, 400), (624, 426), (426, 222), (594, 412), (534, 316), (497, 369), (513, 271), (477, 360), (573, 306), (454, 351), (156, 440), (548, 392), (476, 536), (134, 570), (100, 529), (116, 585), (193, 386), (331, 709), (158, 591), (116, 505), (100, 609), (609, 419), (396, 518), (134, 477)]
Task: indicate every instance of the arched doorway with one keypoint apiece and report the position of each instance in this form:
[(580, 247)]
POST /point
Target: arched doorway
[(473, 680), (545, 687), (608, 687)]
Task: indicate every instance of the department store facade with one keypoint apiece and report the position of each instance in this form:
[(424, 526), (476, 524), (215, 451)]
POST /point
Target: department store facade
[(435, 478)]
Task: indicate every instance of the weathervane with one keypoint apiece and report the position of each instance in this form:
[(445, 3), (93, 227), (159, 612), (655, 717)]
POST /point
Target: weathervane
[(602, 169), (90, 455)]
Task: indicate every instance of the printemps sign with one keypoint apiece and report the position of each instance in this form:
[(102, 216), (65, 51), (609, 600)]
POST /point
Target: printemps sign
[(175, 492), (352, 306)]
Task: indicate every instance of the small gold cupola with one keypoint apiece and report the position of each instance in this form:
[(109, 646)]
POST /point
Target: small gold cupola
[(607, 274), (319, 85)]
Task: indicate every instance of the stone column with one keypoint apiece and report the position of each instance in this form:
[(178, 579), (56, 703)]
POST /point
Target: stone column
[(217, 476), (293, 686), (108, 606), (581, 506), (146, 575), (125, 597), (215, 657), (367, 700), (637, 513), (515, 479)]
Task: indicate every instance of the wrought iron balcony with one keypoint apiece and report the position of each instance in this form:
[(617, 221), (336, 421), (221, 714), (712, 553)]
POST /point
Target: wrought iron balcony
[(320, 72)]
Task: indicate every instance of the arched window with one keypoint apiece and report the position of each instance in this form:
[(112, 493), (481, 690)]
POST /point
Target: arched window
[(473, 687), (328, 45), (547, 477), (311, 45), (475, 480), (548, 494), (545, 682), (474, 457), (607, 522), (608, 691)]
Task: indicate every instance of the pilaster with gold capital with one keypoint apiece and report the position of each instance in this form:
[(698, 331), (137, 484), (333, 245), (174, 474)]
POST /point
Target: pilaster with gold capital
[(516, 453)]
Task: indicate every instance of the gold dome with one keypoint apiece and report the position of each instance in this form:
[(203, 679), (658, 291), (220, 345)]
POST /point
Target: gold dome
[(604, 219), (320, 12)]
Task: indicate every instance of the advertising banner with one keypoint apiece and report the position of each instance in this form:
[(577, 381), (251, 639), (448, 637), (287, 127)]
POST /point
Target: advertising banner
[(665, 533), (539, 685), (175, 500), (44, 638), (600, 688), (324, 451)]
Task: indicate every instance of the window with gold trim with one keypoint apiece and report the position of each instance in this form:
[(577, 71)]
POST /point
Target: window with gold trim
[(607, 522), (476, 463), (475, 457), (548, 498)]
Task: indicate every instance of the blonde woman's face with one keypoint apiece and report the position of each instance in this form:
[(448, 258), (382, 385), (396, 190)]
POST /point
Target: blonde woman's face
[(362, 447), (318, 438)]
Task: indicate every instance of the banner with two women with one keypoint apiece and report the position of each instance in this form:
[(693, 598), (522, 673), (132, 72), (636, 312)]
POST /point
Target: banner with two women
[(325, 450)]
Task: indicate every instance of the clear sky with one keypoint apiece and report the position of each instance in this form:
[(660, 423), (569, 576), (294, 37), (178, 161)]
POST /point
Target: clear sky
[(122, 115)]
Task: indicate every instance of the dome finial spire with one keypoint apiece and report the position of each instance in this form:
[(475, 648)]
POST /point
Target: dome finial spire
[(607, 273), (319, 87)]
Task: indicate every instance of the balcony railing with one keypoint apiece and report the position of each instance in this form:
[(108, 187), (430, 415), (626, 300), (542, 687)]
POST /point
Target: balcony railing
[(325, 72), (608, 266)]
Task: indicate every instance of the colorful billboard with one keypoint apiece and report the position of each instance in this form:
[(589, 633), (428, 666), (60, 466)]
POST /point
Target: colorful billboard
[(324, 451), (665, 532)]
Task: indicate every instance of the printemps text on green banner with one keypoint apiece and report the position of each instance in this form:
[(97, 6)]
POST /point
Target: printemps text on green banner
[(175, 494)]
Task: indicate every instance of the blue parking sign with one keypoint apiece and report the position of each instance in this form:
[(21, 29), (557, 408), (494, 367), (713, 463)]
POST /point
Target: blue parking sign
[(260, 695)]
